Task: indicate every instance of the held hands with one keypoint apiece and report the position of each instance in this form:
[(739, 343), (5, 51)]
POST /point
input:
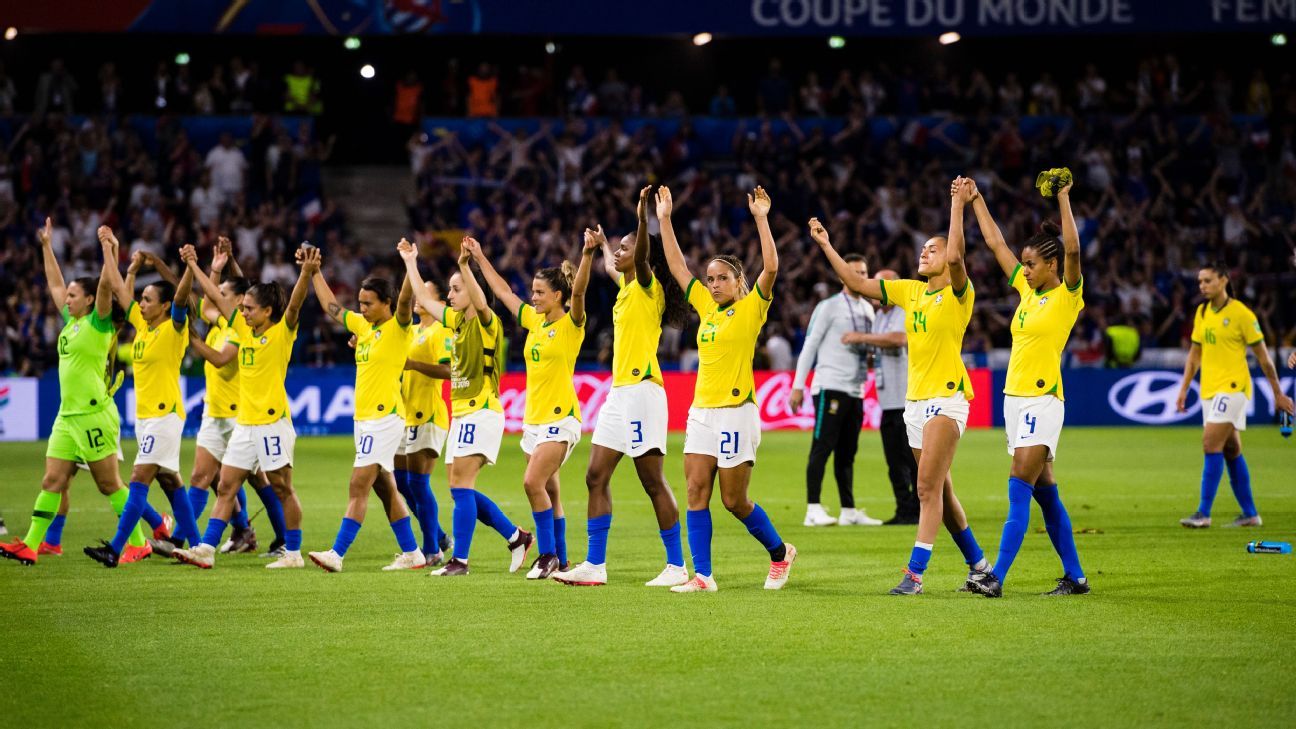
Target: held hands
[(597, 234), (818, 233), (963, 190), (106, 237), (1065, 191), (1291, 361), (664, 202), (470, 247), (407, 251), (758, 202), (137, 262), (594, 241), (188, 256), (222, 255), (310, 259)]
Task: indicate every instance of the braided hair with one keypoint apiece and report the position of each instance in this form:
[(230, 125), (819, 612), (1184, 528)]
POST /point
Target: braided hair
[(1047, 244)]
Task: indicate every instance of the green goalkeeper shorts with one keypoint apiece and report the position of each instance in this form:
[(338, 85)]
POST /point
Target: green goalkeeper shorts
[(86, 438)]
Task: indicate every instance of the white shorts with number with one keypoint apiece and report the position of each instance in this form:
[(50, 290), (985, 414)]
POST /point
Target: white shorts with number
[(269, 446), (567, 431), (729, 435), (1033, 421), (476, 434), (376, 441), (423, 437), (214, 435), (159, 441), (1226, 407), (920, 412), (633, 420)]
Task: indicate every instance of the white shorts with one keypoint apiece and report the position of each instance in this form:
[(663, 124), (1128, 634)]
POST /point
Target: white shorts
[(633, 420), (476, 434), (376, 442), (919, 412), (269, 446), (567, 430), (1033, 421), (1226, 407), (729, 435), (159, 441), (214, 435), (423, 437)]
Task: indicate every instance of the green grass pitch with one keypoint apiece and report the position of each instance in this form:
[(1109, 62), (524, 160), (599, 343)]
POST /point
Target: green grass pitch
[(1182, 627)]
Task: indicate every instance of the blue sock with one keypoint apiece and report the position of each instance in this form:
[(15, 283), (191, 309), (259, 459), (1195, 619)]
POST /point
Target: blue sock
[(1014, 529), (1212, 469), (1058, 524), (292, 540), (1240, 480), (464, 521), (136, 501), (759, 526), (490, 515), (404, 531), (919, 558), (198, 501), (150, 515), (967, 544), (215, 528), (560, 538), (241, 517), (403, 485), (424, 506), (186, 523), (597, 529), (671, 540), (54, 535), (345, 536), (274, 511), (699, 539), (544, 526)]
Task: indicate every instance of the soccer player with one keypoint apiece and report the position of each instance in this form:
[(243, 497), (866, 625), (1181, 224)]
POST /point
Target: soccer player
[(634, 417), (939, 390), (86, 427), (161, 321), (724, 428), (263, 432), (1051, 287), (1223, 329), (382, 333), (551, 424), (478, 425), (427, 421)]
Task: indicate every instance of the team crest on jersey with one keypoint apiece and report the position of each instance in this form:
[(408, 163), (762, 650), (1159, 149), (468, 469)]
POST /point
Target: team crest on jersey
[(422, 340), (377, 336), (264, 340), (729, 313), (1043, 300), (76, 328), (1226, 322), (940, 298), (553, 333)]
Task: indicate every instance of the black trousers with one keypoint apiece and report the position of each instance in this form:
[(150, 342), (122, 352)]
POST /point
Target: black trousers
[(901, 467), (838, 418)]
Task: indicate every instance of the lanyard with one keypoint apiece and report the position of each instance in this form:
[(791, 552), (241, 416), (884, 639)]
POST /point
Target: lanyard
[(851, 309)]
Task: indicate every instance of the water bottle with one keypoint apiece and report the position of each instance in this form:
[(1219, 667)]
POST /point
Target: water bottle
[(1269, 547), (1284, 423)]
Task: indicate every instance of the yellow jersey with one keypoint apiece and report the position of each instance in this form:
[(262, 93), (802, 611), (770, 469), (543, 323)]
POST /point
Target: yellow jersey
[(934, 324), (263, 365), (380, 360), (156, 355), (726, 342), (1224, 336), (423, 401), (636, 332), (551, 352), (222, 395), (474, 370), (1040, 329)]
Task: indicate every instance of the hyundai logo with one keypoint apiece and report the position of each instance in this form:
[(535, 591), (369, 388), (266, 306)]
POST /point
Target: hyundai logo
[(1150, 398)]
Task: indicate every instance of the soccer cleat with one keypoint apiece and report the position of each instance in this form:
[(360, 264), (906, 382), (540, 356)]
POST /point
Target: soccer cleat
[(1068, 586), (276, 550), (986, 584), (329, 561), (435, 559), (202, 556), (1245, 521), (586, 575), (165, 547), (911, 584), (453, 568), (446, 543), (974, 576), (4, 530), (164, 529), (289, 561), (1197, 521), (544, 566), (242, 541), (817, 517), (47, 548), (699, 583), (857, 517), (901, 519), (135, 554), (103, 554), (518, 549), (18, 551), (670, 577), (779, 571), (407, 561)]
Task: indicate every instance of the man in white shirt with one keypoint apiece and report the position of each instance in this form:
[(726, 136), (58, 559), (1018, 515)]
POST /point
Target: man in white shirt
[(227, 164)]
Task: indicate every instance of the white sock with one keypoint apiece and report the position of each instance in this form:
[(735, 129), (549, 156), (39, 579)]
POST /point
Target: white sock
[(981, 565)]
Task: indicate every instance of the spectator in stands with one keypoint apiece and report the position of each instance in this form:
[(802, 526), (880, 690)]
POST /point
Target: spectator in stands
[(483, 92), (227, 164), (55, 91), (302, 91)]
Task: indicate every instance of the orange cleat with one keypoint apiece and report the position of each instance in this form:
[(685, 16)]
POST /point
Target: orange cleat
[(135, 554), (164, 531), (47, 548), (19, 552)]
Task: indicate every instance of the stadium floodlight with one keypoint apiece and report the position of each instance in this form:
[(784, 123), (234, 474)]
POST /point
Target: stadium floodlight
[(701, 39), (836, 42), (11, 33), (551, 48), (351, 44), (950, 37), (367, 71), (182, 59), (1278, 39)]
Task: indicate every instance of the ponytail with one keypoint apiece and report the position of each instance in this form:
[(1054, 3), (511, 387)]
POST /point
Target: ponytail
[(737, 266), (270, 295), (559, 278)]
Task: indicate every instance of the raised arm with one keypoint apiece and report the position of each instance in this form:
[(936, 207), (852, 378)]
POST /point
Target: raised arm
[(609, 254), (409, 254), (209, 288), (643, 246), (758, 202), (53, 273), (990, 231), (511, 301), (311, 262), (220, 258), (581, 282), (111, 277), (181, 304), (1070, 239), (298, 296), (405, 303), (954, 243), (477, 297), (670, 246), (862, 285)]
